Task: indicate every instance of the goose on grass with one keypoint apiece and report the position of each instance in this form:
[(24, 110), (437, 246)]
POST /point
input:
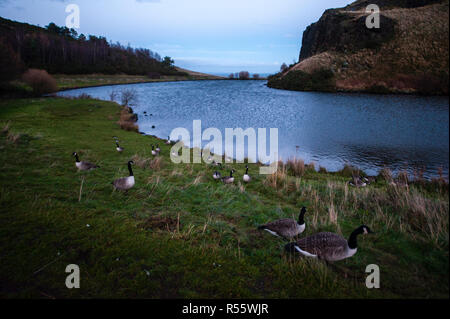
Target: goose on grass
[(246, 177), (154, 151), (286, 227), (217, 175), (83, 166), (125, 183), (229, 179), (328, 246)]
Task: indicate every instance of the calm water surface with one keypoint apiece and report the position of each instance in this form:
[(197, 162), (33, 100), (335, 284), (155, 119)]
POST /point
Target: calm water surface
[(368, 131)]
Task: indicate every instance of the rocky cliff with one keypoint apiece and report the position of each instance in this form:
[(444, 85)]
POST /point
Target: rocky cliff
[(407, 54)]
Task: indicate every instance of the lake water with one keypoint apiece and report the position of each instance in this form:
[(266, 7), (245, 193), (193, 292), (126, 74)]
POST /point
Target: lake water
[(367, 131)]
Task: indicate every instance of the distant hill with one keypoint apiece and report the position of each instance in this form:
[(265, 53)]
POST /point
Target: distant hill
[(62, 50), (408, 54)]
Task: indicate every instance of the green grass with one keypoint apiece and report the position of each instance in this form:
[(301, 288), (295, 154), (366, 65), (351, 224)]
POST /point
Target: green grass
[(178, 233)]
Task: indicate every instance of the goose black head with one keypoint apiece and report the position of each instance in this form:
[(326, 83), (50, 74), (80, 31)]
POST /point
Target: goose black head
[(301, 216), (363, 229), (290, 248), (74, 154), (130, 162)]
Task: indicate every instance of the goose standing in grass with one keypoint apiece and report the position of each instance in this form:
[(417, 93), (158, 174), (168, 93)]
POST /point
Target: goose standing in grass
[(229, 179), (168, 141), (217, 175), (216, 164), (125, 183), (328, 246), (118, 147), (357, 182), (154, 152), (246, 177), (286, 227), (157, 148), (83, 166)]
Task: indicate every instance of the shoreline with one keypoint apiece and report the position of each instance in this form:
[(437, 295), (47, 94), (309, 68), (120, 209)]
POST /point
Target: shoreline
[(410, 170)]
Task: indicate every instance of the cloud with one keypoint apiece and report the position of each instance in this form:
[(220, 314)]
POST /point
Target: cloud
[(147, 1)]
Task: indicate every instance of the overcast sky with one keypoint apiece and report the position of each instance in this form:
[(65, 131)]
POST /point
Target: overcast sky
[(212, 36)]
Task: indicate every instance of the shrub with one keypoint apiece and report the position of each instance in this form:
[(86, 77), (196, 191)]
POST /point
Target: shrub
[(128, 96), (319, 80), (40, 81)]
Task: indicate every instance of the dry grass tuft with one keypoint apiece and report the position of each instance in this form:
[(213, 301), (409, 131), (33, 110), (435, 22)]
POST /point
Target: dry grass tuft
[(127, 121), (13, 138), (155, 164), (278, 179), (386, 174), (296, 167), (5, 129)]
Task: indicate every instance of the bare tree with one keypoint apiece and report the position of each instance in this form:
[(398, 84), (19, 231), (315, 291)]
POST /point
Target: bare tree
[(128, 96), (244, 75), (113, 95), (283, 67)]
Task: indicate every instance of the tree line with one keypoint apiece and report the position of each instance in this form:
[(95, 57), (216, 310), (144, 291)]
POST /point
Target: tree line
[(61, 50)]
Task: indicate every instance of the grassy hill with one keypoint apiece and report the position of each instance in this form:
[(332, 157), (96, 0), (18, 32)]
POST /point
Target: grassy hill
[(408, 54), (179, 233)]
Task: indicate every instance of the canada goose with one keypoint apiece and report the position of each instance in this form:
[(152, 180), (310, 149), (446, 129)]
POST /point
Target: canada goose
[(168, 140), (154, 152), (286, 227), (118, 147), (328, 246), (357, 182), (125, 183), (246, 177), (216, 164), (217, 175), (157, 148), (229, 179), (83, 166)]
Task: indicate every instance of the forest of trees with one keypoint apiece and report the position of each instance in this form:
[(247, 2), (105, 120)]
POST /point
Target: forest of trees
[(62, 50)]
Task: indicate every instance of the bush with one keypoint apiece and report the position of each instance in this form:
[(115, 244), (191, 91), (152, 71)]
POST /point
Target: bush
[(40, 81), (319, 80), (128, 96)]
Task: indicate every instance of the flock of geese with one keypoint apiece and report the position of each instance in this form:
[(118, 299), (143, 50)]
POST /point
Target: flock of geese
[(324, 245)]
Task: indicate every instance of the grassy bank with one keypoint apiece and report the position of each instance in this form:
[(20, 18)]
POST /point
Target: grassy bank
[(65, 81), (179, 233)]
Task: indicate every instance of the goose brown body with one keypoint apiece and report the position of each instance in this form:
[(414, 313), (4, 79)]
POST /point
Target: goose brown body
[(286, 227), (328, 246), (83, 166)]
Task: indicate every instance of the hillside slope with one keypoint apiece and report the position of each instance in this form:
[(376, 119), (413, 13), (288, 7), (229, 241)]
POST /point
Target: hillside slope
[(408, 54)]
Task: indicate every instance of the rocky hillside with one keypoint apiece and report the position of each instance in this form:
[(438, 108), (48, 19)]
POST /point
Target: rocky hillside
[(407, 54)]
